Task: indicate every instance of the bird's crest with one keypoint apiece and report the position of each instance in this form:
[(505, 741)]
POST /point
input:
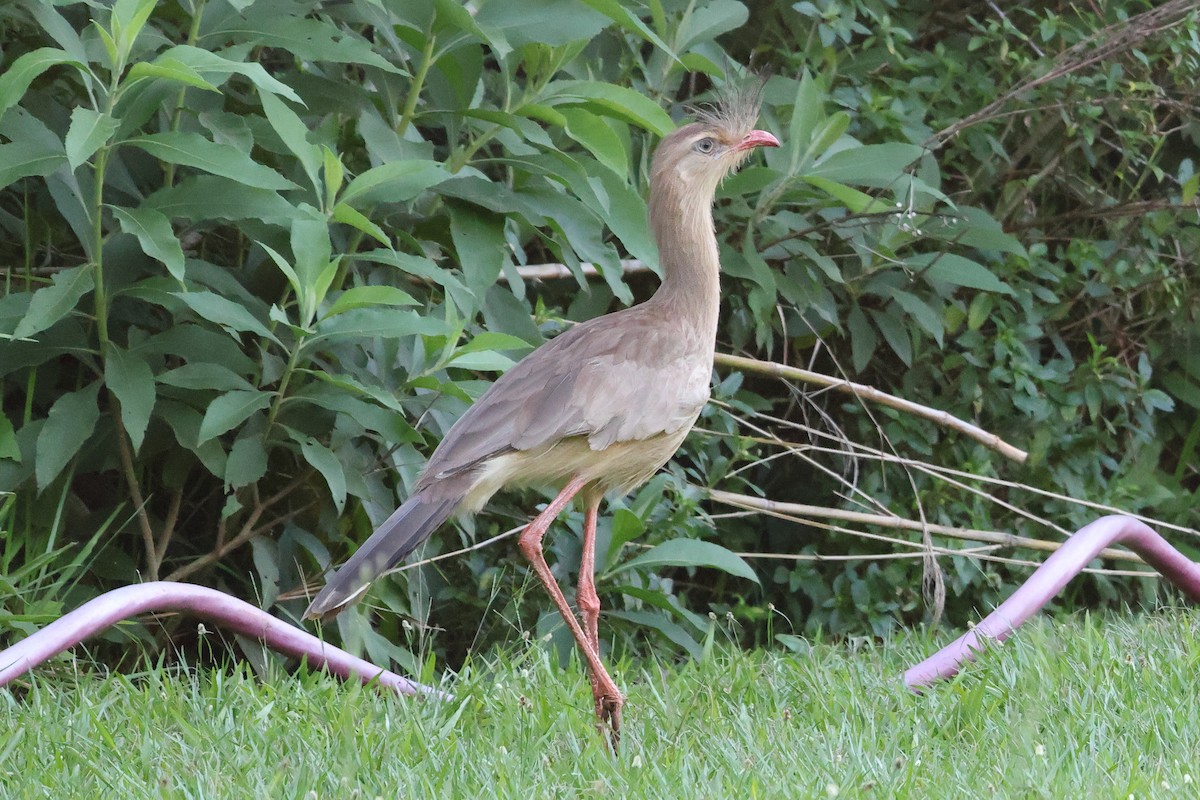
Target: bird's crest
[(736, 106)]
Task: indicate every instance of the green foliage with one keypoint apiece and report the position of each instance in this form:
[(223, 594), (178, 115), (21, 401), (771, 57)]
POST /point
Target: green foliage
[(264, 253)]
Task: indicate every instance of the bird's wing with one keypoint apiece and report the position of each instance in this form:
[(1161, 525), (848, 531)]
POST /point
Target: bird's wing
[(618, 378)]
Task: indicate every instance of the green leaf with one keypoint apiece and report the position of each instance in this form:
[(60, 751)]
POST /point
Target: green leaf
[(594, 134), (52, 303), (870, 165), (154, 233), (24, 159), (709, 20), (294, 133), (626, 217), (312, 252), (208, 63), (854, 200), (979, 311), (895, 334), (68, 426), (975, 227), (303, 38), (613, 101), (482, 362), (691, 553), (394, 182), (325, 462), (926, 317), (493, 340), (193, 150), (334, 173), (185, 424), (247, 462), (862, 338), (129, 377), (675, 632), (170, 69), (382, 322), (90, 130), (128, 19), (808, 110), (230, 410), (957, 271), (528, 130), (204, 197), (367, 296), (204, 376), (480, 245), (224, 312), (15, 80), (618, 13), (550, 23), (348, 215), (10, 449), (1187, 192)]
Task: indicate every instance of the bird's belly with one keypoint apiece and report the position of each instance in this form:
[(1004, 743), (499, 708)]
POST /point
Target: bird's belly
[(616, 469)]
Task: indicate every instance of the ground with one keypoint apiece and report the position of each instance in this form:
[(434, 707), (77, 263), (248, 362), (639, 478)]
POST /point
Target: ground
[(1079, 707)]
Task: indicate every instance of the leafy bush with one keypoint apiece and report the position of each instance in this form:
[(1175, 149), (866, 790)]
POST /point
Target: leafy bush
[(265, 253)]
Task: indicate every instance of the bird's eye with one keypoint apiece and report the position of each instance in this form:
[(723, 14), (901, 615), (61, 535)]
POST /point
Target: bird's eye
[(705, 146)]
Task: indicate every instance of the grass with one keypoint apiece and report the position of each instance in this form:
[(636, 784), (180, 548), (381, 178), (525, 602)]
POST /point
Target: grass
[(1079, 708)]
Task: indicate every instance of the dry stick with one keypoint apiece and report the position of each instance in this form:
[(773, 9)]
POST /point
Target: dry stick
[(210, 604), (168, 529), (795, 510), (552, 272), (935, 470), (139, 501), (864, 392)]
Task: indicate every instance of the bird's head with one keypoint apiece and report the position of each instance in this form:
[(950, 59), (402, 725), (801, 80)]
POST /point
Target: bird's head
[(700, 154)]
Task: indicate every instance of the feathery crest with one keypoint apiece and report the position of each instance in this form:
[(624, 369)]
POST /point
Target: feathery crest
[(737, 104)]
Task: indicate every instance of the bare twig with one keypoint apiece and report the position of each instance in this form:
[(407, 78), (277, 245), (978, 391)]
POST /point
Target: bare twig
[(550, 272), (876, 396), (800, 513), (135, 491)]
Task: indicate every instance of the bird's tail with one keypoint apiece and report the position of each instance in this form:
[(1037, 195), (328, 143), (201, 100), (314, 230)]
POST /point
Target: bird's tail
[(399, 535)]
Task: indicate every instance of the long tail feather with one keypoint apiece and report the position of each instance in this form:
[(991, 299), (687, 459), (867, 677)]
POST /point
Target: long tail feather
[(399, 535)]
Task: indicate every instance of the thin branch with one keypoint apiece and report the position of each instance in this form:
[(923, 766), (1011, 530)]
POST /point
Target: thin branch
[(797, 512), (169, 524), (306, 591), (550, 272), (139, 501), (865, 392)]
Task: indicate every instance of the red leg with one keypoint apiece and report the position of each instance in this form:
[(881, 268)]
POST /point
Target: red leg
[(586, 598), (604, 690)]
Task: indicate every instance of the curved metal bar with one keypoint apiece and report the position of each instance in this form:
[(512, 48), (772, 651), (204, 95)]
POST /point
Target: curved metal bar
[(210, 604), (1048, 579)]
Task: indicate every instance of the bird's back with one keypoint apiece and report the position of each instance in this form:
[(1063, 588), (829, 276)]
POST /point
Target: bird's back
[(628, 384)]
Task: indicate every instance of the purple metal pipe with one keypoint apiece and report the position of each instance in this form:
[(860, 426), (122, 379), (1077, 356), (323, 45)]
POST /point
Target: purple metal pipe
[(225, 610), (1049, 579)]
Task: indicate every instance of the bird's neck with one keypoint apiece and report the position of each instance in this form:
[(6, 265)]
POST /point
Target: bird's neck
[(682, 224)]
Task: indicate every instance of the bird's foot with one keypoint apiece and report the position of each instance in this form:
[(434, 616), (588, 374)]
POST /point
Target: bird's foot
[(608, 715)]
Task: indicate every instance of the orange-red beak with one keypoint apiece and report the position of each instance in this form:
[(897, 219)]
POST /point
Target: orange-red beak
[(756, 139)]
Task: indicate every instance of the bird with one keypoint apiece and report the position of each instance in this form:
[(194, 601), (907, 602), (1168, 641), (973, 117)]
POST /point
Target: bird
[(600, 408)]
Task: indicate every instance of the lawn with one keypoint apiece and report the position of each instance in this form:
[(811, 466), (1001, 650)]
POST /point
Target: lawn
[(1082, 707)]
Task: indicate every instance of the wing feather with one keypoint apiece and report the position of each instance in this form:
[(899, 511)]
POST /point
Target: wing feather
[(623, 377)]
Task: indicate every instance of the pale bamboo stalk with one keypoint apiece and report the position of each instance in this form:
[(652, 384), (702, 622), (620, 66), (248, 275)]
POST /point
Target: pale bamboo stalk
[(946, 420), (799, 510)]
